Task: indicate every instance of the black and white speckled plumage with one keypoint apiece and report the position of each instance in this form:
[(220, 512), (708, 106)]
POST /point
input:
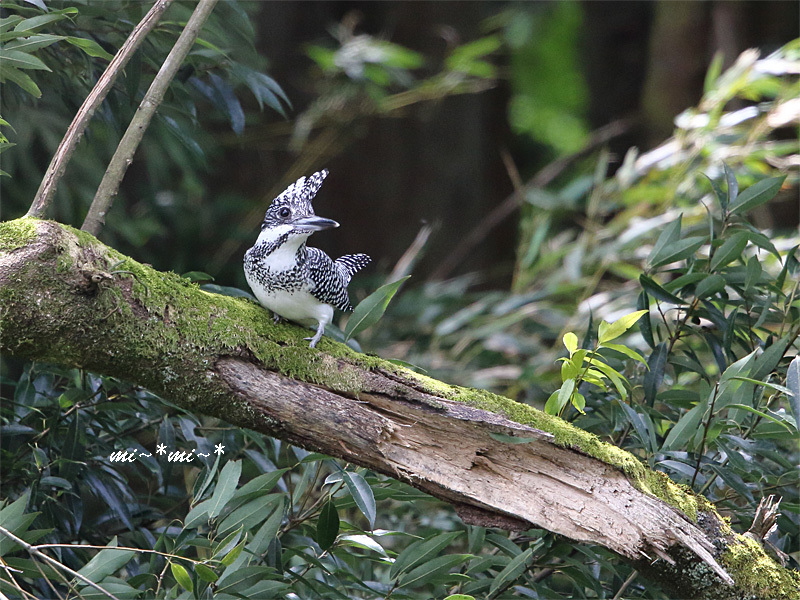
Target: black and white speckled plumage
[(294, 281)]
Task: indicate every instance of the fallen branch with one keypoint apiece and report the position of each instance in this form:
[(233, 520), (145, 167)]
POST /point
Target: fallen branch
[(499, 462)]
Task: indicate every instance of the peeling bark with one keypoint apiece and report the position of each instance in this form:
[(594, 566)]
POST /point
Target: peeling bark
[(67, 298)]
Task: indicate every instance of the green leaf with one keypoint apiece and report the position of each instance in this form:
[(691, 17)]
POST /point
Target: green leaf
[(248, 515), (226, 487), (9, 22), (757, 194), (669, 236), (710, 285), (21, 60), (793, 383), (551, 406), (733, 185), (753, 275), (89, 47), (106, 562), (362, 494), (579, 401), (512, 570), (231, 556), (616, 378), (655, 290), (327, 525), (630, 353), (730, 250), (564, 394), (371, 309), (761, 414), (182, 576), (459, 597), (617, 328), (657, 362), (262, 483), (772, 386), (196, 276), (42, 20), (432, 569), (570, 342), (33, 42), (205, 573), (421, 551), (680, 250), (685, 428)]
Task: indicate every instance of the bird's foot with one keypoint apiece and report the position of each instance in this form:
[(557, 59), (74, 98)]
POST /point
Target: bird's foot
[(316, 337), (276, 318)]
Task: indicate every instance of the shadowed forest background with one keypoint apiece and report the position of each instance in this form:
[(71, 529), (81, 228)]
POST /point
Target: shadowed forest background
[(520, 160)]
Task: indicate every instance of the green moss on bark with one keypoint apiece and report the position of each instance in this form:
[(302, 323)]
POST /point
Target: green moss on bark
[(757, 574), (16, 234)]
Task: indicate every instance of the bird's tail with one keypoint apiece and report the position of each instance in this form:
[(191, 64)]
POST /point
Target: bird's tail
[(350, 264)]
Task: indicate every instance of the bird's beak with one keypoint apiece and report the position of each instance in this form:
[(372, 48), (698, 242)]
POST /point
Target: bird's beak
[(315, 223)]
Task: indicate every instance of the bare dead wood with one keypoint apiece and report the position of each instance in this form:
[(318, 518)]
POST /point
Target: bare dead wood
[(223, 357)]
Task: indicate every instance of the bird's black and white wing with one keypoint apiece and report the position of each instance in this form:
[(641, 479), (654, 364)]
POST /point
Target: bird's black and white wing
[(350, 264), (330, 277), (330, 286)]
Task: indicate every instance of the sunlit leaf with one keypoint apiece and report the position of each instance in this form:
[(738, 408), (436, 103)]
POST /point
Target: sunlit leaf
[(182, 576), (89, 47)]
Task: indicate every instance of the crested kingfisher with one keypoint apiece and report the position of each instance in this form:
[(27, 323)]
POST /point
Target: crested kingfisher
[(296, 282)]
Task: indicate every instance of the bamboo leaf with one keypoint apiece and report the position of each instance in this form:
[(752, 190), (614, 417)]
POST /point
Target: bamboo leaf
[(680, 250), (757, 194), (89, 47), (362, 494), (570, 342), (421, 551), (327, 525), (668, 237), (226, 487), (512, 570), (617, 328), (371, 309), (793, 383), (730, 250)]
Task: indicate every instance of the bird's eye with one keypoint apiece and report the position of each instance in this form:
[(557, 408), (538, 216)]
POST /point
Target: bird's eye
[(284, 212)]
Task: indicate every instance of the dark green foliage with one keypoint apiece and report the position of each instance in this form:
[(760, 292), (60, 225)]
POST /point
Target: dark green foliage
[(716, 406)]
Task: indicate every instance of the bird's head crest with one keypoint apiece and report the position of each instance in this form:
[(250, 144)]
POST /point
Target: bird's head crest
[(295, 201)]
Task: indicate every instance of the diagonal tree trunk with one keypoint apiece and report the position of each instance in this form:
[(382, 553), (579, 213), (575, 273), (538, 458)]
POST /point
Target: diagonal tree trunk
[(67, 298)]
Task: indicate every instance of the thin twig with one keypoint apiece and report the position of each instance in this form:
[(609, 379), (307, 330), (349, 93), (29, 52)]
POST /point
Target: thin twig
[(626, 583), (32, 550), (123, 156), (58, 165), (507, 207)]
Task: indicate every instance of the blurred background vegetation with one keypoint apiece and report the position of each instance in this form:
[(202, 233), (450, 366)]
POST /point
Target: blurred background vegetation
[(520, 161)]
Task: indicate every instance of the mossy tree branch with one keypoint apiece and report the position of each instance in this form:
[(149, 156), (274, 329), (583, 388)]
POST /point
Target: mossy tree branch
[(67, 298)]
